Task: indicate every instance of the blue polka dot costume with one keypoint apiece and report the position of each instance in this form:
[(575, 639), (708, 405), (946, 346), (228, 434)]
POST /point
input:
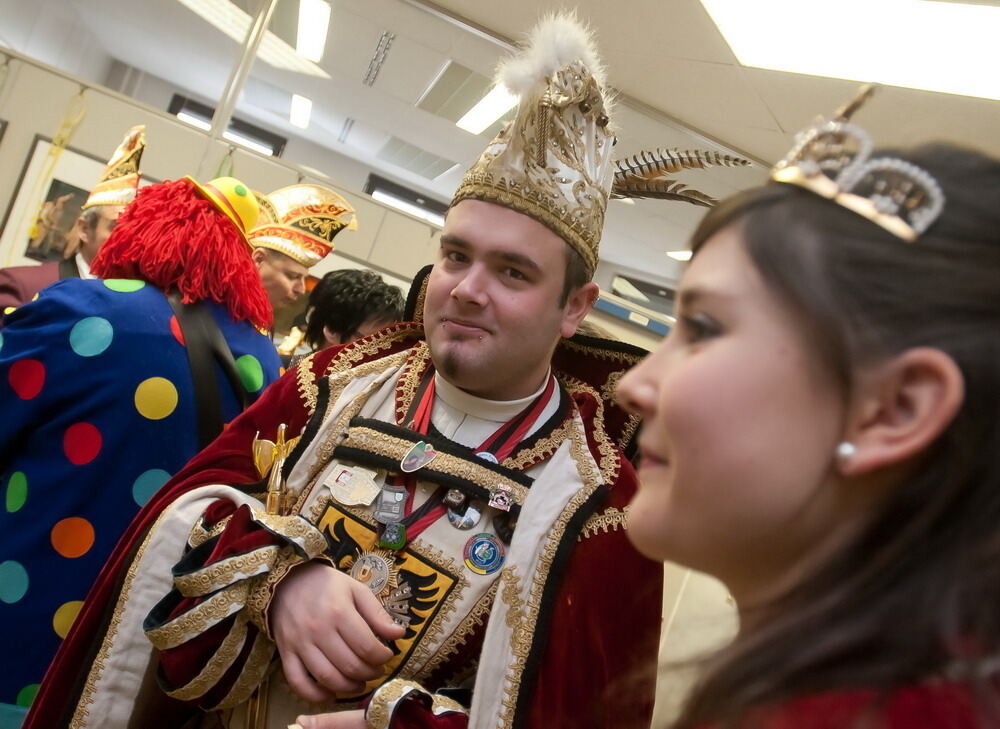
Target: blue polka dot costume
[(96, 413)]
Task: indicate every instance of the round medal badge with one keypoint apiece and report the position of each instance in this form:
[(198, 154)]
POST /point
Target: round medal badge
[(484, 554), (466, 519)]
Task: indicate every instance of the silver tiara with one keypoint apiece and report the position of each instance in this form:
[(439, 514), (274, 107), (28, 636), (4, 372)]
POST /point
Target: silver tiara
[(833, 159)]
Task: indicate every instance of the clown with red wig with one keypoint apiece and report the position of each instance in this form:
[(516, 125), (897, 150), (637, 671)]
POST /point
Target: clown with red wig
[(107, 388)]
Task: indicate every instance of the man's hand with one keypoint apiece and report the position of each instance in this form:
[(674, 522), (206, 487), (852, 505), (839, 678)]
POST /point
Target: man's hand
[(338, 720), (329, 629)]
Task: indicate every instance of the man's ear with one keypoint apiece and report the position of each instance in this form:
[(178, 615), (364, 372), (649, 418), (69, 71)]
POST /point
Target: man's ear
[(578, 305), (901, 407), (258, 255), (82, 232)]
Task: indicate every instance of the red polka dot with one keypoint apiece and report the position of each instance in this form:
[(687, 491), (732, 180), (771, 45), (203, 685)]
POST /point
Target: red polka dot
[(26, 376), (72, 537), (82, 443), (175, 329)]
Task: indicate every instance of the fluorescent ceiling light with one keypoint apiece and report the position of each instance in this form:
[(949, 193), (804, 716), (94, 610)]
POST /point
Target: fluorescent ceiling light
[(300, 111), (235, 23), (921, 44), (256, 146), (195, 121), (314, 21), (680, 255), (408, 207), (490, 108)]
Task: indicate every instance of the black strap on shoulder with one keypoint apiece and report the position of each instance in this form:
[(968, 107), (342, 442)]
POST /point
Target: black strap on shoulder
[(205, 347), (68, 268)]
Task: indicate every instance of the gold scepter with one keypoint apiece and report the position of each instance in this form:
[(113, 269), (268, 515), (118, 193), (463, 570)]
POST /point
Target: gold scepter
[(269, 457)]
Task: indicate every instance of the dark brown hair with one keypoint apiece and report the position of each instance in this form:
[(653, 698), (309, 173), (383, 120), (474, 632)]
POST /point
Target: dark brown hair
[(916, 595)]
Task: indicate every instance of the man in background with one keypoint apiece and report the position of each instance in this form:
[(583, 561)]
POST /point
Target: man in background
[(291, 237), (115, 190)]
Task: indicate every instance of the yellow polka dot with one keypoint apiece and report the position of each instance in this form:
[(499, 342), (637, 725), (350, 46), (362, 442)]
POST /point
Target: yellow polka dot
[(35, 297), (155, 398), (62, 621), (9, 309)]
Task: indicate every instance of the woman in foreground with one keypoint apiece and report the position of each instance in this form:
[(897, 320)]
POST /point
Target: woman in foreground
[(822, 433)]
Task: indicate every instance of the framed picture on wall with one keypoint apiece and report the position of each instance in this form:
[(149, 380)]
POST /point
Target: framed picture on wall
[(39, 220)]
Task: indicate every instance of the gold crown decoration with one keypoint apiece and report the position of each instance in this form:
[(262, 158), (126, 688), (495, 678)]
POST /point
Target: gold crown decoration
[(833, 159), (553, 161), (120, 180), (303, 222), (645, 175)]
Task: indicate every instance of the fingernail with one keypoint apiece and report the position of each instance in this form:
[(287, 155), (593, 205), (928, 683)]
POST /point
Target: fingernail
[(294, 726)]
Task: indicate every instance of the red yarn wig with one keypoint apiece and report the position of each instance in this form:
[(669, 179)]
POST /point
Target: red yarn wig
[(176, 240)]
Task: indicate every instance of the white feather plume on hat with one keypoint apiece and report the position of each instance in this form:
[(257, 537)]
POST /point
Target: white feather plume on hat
[(557, 40)]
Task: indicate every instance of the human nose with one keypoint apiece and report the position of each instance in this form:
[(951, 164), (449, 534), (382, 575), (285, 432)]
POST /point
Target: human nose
[(637, 390), (471, 287)]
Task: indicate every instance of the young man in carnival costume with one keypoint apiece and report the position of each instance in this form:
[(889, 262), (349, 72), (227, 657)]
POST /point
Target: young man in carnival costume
[(115, 190), (107, 388), (290, 239), (437, 506)]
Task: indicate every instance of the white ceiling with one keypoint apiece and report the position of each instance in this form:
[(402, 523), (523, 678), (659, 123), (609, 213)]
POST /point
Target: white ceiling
[(682, 88)]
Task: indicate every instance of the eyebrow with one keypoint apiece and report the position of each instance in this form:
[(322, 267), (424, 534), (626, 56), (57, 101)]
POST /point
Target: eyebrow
[(690, 297), (515, 259)]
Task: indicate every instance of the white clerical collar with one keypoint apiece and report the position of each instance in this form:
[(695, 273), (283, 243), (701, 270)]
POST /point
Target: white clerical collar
[(82, 267), (498, 410)]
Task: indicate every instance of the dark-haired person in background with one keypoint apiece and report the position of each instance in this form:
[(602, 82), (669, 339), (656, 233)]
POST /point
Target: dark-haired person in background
[(349, 304)]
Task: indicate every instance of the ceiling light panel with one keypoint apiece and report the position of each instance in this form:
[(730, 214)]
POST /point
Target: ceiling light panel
[(948, 47), (414, 159), (234, 22), (313, 25)]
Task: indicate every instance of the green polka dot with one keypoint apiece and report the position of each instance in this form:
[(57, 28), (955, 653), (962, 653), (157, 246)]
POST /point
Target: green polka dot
[(13, 581), (27, 695), (240, 190), (148, 483), (124, 285), (17, 491), (91, 336), (251, 372)]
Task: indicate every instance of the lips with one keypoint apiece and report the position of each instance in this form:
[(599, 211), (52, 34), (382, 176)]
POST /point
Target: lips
[(460, 326), (651, 459)]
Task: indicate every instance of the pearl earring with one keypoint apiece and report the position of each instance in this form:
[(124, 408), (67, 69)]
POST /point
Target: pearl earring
[(845, 450)]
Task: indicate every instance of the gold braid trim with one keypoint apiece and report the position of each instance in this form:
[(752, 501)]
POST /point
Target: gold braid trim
[(295, 529), (306, 380), (259, 599), (459, 637), (217, 665), (199, 535), (227, 572), (253, 673), (82, 710), (612, 355), (390, 446), (418, 361), (200, 618), (608, 455), (610, 519), (384, 700), (371, 346), (444, 705)]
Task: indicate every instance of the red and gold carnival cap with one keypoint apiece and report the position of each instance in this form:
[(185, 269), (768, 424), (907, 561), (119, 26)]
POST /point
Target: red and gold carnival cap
[(233, 198), (301, 222), (120, 179)]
